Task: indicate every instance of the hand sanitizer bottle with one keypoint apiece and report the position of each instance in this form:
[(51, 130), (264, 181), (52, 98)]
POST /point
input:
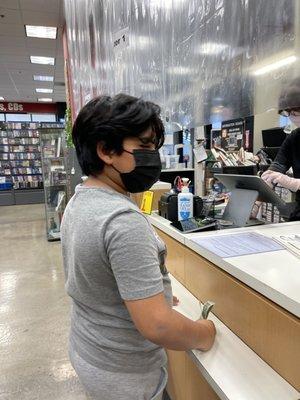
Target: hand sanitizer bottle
[(185, 204)]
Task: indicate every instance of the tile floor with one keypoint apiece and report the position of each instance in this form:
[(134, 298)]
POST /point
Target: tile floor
[(34, 311)]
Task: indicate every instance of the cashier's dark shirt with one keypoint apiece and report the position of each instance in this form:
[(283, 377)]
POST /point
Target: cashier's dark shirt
[(289, 156)]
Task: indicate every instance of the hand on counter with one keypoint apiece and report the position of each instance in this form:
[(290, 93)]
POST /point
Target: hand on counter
[(167, 327), (210, 336)]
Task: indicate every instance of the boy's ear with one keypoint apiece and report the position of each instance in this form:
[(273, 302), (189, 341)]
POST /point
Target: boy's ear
[(105, 155)]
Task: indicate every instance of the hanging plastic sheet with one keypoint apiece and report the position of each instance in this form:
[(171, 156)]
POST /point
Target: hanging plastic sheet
[(203, 61)]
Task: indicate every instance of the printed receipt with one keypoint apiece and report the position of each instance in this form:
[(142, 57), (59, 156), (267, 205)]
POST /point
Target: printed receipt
[(239, 244)]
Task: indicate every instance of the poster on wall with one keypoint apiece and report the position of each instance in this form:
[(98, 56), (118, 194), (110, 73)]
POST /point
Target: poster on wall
[(249, 134), (232, 133)]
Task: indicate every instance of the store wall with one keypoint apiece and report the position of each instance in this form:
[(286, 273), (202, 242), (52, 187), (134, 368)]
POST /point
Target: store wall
[(195, 58)]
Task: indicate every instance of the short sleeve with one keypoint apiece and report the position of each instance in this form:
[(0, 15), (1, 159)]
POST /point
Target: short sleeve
[(132, 252)]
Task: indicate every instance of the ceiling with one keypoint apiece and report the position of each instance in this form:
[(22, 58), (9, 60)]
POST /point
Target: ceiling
[(16, 71)]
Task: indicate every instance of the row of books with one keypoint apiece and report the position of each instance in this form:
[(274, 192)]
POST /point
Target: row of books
[(5, 179), (26, 171), (24, 148), (18, 141), (24, 163), (19, 125), (232, 159), (5, 171), (23, 134), (24, 156), (19, 156), (29, 125), (27, 182), (4, 164), (4, 149)]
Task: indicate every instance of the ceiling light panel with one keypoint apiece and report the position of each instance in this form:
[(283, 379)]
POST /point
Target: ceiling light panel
[(42, 60), (43, 78), (43, 32), (44, 90), (45, 100)]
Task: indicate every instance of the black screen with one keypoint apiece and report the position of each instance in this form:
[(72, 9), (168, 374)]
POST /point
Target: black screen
[(273, 137)]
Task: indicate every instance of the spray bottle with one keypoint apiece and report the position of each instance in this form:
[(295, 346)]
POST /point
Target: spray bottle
[(185, 201)]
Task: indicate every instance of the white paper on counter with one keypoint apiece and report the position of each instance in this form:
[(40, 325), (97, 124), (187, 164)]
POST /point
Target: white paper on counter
[(240, 244)]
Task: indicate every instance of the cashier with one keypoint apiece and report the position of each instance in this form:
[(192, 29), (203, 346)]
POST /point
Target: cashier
[(289, 153)]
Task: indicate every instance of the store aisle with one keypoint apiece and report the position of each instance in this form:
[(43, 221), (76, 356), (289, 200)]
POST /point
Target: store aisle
[(33, 311)]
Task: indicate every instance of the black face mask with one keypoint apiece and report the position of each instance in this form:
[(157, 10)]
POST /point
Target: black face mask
[(146, 172)]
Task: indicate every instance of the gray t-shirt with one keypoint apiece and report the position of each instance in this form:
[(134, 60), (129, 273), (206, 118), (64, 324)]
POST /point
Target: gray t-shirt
[(111, 253)]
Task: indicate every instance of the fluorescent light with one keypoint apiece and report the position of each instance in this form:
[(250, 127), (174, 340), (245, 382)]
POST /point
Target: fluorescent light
[(44, 90), (210, 48), (45, 99), (166, 4), (276, 65), (1, 98), (44, 32), (42, 60), (180, 70), (43, 78)]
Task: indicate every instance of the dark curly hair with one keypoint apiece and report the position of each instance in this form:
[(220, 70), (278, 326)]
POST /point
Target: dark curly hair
[(110, 120), (290, 96)]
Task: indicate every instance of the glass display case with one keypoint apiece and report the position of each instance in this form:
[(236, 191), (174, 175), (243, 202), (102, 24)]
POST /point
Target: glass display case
[(52, 142)]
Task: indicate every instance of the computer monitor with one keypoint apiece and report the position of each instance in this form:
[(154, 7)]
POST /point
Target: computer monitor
[(271, 152), (273, 137), (245, 190)]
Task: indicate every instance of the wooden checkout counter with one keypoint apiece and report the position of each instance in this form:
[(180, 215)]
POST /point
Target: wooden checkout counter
[(256, 355)]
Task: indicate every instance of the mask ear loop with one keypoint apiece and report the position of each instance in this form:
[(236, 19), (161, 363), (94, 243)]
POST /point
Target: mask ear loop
[(126, 151)]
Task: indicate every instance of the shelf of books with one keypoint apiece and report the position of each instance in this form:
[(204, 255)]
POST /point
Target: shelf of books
[(21, 179), (54, 178)]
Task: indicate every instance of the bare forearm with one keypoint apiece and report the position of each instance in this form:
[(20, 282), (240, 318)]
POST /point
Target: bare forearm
[(180, 333)]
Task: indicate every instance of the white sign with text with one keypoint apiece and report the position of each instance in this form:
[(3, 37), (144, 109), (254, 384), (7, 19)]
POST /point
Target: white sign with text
[(121, 39)]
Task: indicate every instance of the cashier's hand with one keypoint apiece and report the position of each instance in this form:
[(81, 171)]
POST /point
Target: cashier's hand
[(269, 177), (211, 333), (287, 182)]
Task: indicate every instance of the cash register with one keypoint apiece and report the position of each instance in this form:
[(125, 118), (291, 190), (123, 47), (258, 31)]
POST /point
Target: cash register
[(168, 208)]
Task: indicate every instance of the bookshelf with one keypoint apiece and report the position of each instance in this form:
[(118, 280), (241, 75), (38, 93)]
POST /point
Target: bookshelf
[(25, 158), (20, 164), (54, 177), (21, 179), (6, 186)]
